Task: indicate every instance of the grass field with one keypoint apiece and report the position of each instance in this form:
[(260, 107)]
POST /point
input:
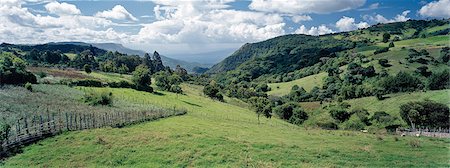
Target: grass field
[(216, 134), (392, 102), (280, 89)]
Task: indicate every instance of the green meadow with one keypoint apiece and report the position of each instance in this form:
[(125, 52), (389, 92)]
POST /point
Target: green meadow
[(218, 134)]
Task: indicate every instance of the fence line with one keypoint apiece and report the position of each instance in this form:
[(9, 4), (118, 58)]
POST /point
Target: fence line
[(429, 132), (31, 129)]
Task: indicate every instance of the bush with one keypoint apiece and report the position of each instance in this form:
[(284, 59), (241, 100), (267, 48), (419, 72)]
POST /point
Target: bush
[(176, 89), (12, 70), (426, 114), (402, 82), (285, 111), (121, 84), (328, 125), (94, 98), (29, 87), (42, 74), (339, 114), (142, 79), (354, 123), (384, 63), (4, 131), (298, 116), (87, 68), (212, 90), (381, 50), (362, 114), (87, 83), (439, 80)]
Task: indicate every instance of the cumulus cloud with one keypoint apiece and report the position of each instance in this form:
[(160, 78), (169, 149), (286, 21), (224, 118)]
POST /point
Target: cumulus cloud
[(62, 8), (208, 21), (348, 24), (439, 9), (381, 19), (299, 18), (305, 6), (118, 12), (19, 25), (315, 31)]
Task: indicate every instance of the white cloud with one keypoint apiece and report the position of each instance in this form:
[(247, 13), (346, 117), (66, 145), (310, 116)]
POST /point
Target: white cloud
[(19, 25), (440, 9), (348, 24), (305, 6), (299, 18), (381, 19), (194, 22), (118, 12), (371, 7), (62, 8), (315, 31)]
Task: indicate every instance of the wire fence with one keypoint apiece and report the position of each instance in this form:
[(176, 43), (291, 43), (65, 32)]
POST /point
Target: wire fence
[(31, 129)]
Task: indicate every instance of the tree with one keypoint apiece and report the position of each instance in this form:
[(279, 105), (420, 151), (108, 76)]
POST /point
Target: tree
[(12, 70), (212, 90), (339, 114), (445, 54), (362, 114), (423, 70), (176, 89), (439, 80), (142, 78), (391, 44), (298, 116), (162, 80), (123, 69), (87, 68), (425, 113), (386, 37), (384, 62), (181, 72), (261, 106), (286, 110)]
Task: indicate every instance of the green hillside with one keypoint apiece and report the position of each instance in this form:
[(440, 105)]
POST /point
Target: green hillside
[(219, 134), (280, 89)]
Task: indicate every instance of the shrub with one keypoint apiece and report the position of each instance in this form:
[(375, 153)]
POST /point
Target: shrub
[(391, 44), (298, 116), (439, 80), (95, 98), (121, 84), (354, 123), (339, 114), (425, 113), (362, 114), (42, 74), (4, 131), (87, 83), (176, 89), (142, 79), (212, 90), (29, 87), (286, 110), (87, 68), (12, 70), (384, 62), (328, 125), (381, 50)]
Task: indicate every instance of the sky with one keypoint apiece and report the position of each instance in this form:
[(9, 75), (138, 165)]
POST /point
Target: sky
[(188, 27)]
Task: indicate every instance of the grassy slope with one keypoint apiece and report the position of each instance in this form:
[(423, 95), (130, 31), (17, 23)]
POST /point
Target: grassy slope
[(392, 103), (280, 89), (215, 134), (395, 55)]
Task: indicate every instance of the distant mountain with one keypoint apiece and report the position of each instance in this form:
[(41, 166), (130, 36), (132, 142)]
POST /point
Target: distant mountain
[(171, 62), (207, 58)]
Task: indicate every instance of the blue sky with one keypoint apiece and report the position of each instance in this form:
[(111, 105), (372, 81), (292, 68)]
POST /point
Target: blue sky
[(176, 28)]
